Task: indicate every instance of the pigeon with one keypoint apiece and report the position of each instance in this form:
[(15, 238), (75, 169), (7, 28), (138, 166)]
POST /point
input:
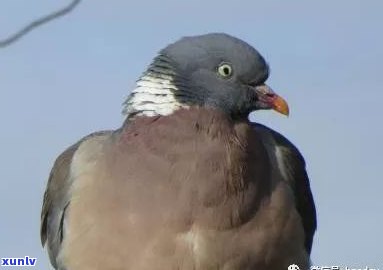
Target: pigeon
[(187, 182)]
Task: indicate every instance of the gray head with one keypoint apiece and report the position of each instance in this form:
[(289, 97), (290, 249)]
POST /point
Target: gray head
[(213, 70)]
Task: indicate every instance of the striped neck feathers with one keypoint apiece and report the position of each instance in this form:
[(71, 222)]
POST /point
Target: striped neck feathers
[(159, 91)]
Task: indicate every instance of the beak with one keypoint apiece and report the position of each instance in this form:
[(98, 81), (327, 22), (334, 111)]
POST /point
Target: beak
[(270, 100)]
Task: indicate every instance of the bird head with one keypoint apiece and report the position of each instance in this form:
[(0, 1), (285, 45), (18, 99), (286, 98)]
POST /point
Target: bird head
[(213, 70)]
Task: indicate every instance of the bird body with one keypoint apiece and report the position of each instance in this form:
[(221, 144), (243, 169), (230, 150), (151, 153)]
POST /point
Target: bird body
[(192, 188)]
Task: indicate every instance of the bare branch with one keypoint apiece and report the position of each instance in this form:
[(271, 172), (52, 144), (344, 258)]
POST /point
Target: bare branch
[(38, 22)]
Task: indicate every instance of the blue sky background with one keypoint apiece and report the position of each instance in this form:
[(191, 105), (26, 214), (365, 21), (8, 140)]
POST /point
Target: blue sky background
[(70, 77)]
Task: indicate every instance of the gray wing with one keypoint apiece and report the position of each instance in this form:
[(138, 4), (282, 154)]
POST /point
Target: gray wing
[(57, 199), (296, 176)]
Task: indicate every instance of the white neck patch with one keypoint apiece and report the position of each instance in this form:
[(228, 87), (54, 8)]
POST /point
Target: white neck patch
[(153, 95)]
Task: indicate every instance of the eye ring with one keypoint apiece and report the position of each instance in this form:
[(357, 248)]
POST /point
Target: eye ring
[(225, 70)]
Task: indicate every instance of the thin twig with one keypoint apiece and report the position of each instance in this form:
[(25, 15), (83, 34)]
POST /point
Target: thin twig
[(38, 22)]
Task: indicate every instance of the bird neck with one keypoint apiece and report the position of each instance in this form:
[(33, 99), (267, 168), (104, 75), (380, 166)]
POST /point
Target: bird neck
[(159, 91)]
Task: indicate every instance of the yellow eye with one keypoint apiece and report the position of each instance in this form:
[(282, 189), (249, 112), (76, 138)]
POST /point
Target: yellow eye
[(225, 70)]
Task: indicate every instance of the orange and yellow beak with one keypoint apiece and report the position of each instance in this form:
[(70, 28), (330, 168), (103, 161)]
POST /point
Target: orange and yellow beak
[(270, 100)]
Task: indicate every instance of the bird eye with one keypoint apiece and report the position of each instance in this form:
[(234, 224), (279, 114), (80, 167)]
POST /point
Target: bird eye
[(225, 70)]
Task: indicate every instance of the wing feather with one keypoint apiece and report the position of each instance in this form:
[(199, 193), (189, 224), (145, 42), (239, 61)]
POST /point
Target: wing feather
[(57, 199), (296, 175)]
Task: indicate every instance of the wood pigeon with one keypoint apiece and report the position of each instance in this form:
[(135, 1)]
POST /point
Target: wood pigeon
[(187, 182)]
